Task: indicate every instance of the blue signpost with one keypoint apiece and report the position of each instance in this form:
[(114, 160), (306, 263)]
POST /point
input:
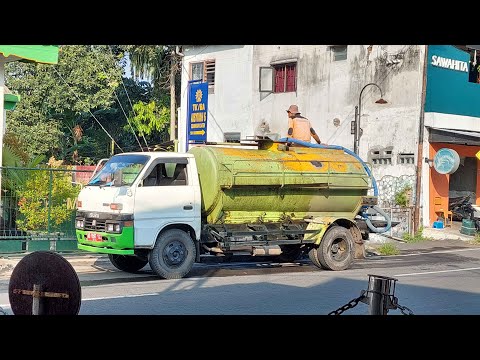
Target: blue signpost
[(197, 112)]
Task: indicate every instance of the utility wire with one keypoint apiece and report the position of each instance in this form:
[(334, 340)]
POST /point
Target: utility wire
[(121, 107), (129, 100), (73, 91)]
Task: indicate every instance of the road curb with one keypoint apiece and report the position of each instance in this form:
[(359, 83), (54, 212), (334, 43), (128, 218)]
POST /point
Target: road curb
[(81, 263)]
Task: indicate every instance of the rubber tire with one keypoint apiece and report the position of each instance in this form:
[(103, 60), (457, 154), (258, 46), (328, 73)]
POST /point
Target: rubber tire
[(290, 253), (127, 263), (323, 251), (157, 262), (312, 255)]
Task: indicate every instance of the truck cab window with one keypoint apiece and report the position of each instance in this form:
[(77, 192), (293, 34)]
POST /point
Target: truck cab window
[(167, 174)]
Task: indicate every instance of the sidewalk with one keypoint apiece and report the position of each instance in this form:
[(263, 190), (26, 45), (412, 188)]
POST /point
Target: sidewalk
[(436, 239), (82, 263)]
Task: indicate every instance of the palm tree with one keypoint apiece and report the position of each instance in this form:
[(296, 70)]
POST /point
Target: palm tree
[(158, 63)]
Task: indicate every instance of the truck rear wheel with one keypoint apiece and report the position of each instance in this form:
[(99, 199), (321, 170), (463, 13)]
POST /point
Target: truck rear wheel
[(336, 250), (312, 255), (127, 263), (173, 255)]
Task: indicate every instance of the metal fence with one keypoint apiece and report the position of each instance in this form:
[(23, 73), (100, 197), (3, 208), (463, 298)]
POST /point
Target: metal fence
[(404, 217), (37, 208)]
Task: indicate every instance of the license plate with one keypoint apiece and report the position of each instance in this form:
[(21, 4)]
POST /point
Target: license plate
[(94, 237)]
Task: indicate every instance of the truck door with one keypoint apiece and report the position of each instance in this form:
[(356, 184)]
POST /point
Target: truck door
[(166, 195)]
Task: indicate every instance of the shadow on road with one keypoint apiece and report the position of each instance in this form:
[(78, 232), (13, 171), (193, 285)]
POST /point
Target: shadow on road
[(241, 296)]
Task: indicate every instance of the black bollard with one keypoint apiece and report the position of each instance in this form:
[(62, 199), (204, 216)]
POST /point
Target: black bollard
[(380, 294)]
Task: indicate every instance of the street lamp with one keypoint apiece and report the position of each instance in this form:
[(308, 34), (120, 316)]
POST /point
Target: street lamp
[(358, 113)]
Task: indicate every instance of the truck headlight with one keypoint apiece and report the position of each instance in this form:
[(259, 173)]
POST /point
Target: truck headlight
[(113, 228), (79, 223)]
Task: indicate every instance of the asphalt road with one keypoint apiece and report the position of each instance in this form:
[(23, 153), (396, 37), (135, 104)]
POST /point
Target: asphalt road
[(443, 282)]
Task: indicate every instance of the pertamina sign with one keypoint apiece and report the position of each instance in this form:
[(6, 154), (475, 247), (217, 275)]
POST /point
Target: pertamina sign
[(451, 64)]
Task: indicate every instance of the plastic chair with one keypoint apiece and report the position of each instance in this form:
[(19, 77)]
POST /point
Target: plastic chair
[(446, 214)]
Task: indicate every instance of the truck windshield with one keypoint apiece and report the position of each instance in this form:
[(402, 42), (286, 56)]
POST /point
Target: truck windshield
[(120, 170)]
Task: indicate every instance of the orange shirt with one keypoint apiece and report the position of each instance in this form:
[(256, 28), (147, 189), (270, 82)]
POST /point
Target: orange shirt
[(301, 128)]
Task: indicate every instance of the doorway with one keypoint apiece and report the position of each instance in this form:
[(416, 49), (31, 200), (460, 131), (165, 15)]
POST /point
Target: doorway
[(463, 182)]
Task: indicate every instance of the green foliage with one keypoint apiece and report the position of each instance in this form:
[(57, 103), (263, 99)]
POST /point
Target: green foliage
[(149, 117), (401, 197), (13, 155), (151, 62), (417, 237), (388, 249), (56, 98), (476, 239), (34, 200)]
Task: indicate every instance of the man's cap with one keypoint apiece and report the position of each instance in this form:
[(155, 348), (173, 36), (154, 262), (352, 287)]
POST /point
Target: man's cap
[(293, 109)]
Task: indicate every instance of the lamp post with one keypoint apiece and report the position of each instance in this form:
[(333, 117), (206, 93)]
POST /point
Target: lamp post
[(358, 114)]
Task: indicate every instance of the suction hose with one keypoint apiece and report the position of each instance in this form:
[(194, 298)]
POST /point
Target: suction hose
[(367, 169)]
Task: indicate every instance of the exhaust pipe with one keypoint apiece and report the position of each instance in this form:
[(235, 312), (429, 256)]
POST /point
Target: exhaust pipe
[(266, 250), (213, 249)]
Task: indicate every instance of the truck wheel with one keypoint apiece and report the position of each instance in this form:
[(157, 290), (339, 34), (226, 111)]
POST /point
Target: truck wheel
[(173, 255), (289, 253), (312, 255), (336, 250), (127, 263)]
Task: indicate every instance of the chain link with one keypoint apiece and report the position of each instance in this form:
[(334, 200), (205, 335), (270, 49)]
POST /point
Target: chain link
[(405, 310), (350, 305), (2, 312)]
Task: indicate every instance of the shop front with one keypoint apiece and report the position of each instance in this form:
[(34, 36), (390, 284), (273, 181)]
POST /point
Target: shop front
[(452, 121)]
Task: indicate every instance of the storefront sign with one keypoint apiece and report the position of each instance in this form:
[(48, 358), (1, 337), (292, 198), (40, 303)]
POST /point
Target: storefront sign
[(451, 64), (446, 161), (197, 112)]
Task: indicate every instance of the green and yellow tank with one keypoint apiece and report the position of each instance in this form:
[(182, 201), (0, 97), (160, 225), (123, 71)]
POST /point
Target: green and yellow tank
[(278, 183)]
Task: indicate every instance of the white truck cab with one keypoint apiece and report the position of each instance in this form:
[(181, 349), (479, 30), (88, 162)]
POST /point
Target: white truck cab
[(132, 200)]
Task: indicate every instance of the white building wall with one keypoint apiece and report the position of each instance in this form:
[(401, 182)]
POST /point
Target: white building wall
[(328, 89), (228, 106)]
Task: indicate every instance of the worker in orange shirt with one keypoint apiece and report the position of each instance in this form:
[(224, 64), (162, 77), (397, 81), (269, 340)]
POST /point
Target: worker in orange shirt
[(299, 127)]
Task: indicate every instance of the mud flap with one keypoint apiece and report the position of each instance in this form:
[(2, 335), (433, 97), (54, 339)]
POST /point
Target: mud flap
[(359, 244)]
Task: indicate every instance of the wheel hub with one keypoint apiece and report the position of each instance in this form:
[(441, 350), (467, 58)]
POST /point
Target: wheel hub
[(174, 253), (337, 249)]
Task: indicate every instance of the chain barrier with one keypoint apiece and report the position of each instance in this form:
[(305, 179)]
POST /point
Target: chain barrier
[(379, 296), (405, 310), (350, 305)]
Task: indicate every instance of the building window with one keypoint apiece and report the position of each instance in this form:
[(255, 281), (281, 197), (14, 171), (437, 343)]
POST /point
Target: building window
[(381, 156), (339, 52), (197, 71), (204, 71), (406, 158), (285, 77), (231, 137)]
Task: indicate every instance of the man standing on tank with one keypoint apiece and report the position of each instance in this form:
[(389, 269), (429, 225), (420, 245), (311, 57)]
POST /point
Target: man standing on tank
[(299, 127)]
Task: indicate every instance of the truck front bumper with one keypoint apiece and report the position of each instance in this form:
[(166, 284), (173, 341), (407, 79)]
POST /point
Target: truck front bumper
[(107, 243)]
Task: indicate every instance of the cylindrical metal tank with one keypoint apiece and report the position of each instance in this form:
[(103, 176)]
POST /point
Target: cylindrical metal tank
[(242, 185)]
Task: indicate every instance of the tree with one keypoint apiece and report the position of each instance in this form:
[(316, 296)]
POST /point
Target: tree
[(43, 200), (160, 64), (58, 99)]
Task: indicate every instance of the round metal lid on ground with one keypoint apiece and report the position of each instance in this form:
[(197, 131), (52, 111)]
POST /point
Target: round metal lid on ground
[(44, 283)]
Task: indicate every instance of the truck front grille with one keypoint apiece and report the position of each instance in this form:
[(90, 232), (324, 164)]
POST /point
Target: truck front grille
[(95, 224)]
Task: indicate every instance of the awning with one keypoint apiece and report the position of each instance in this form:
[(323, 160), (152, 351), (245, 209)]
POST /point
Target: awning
[(47, 54), (451, 136)]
